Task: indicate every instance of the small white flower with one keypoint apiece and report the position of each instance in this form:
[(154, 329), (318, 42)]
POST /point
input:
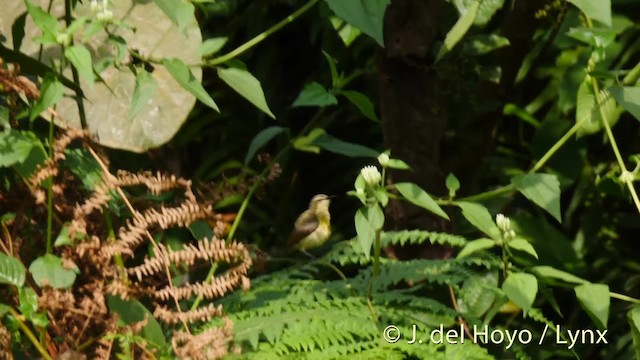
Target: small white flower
[(503, 222), (383, 159), (371, 175), (94, 6), (105, 15)]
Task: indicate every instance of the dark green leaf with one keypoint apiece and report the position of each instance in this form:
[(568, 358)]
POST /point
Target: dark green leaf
[(131, 311), (363, 103), (479, 217), (200, 229), (542, 189), (181, 12), (246, 85), (366, 15), (599, 10), (212, 46), (475, 246), (51, 92), (80, 57), (365, 230), (338, 146), (181, 73), (523, 245), (553, 273), (12, 271), (459, 29), (15, 146), (414, 194), (314, 94), (48, 271), (595, 300), (260, 140), (145, 89), (634, 322), (521, 288), (629, 98), (484, 43)]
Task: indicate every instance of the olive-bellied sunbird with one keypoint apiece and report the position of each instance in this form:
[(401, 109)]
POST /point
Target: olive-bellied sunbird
[(313, 226)]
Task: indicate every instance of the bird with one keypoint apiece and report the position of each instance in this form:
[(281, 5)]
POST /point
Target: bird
[(313, 226)]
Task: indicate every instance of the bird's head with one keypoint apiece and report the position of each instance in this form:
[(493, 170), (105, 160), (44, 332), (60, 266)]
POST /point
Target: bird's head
[(320, 201)]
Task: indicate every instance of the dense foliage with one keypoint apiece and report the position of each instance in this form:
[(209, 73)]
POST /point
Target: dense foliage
[(154, 156)]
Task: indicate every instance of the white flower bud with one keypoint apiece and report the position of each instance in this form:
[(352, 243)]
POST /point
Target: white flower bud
[(371, 175), (63, 39), (383, 159), (627, 177)]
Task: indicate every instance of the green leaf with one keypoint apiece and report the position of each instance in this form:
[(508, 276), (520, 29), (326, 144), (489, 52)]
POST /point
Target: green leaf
[(12, 272), (15, 146), (629, 98), (80, 57), (260, 140), (485, 12), (414, 194), (181, 73), (521, 288), (587, 111), (453, 184), (364, 230), (458, 30), (29, 307), (398, 164), (200, 229), (475, 246), (131, 311), (46, 22), (48, 270), (479, 217), (382, 196), (599, 10), (335, 78), (51, 92), (246, 85), (375, 216), (484, 43), (523, 245), (306, 142), (596, 37), (553, 273), (314, 94), (363, 103), (181, 12), (476, 297), (63, 238), (366, 15), (634, 322), (212, 46), (341, 147), (595, 300), (145, 89), (4, 309), (347, 32), (542, 189)]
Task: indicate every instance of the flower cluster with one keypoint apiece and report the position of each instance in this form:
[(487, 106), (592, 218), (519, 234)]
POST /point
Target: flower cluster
[(100, 8), (504, 224)]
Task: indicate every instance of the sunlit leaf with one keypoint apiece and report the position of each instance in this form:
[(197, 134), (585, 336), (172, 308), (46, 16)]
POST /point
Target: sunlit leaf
[(246, 85), (521, 288), (542, 189), (80, 57), (595, 300), (475, 246), (314, 94), (145, 89), (188, 81), (459, 29), (48, 270), (414, 194)]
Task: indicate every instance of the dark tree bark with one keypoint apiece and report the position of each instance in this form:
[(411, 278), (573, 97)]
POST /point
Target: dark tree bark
[(419, 101)]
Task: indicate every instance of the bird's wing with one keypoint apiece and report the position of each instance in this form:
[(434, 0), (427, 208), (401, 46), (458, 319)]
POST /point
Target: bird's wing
[(304, 226)]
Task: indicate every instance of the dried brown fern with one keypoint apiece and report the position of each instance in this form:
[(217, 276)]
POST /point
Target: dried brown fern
[(210, 344), (5, 343)]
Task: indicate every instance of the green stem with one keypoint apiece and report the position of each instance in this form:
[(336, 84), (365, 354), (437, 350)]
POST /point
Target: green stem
[(624, 297), (543, 160), (260, 37), (50, 192), (632, 76), (25, 329), (614, 145)]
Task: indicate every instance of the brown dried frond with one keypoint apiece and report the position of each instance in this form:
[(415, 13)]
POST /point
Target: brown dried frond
[(5, 342), (219, 286), (209, 344), (156, 184), (12, 83), (214, 249), (203, 313)]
